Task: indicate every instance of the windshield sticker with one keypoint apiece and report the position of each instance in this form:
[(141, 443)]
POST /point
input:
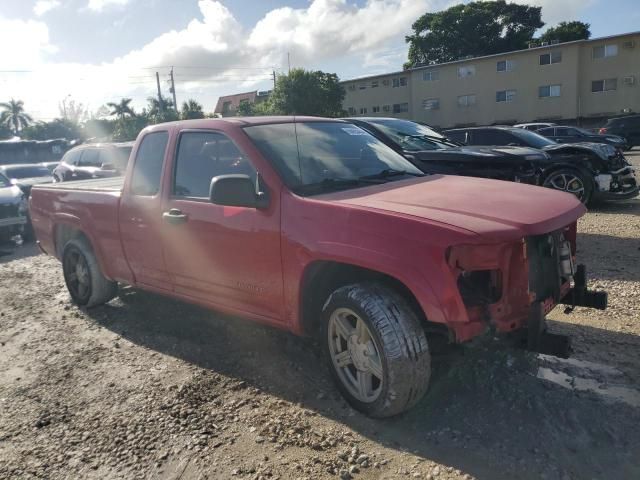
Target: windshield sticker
[(354, 131)]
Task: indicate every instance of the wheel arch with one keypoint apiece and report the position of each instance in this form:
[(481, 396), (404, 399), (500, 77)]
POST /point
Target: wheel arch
[(322, 277)]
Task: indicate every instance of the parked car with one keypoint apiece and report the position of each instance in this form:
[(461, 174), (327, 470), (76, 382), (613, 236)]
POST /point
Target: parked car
[(590, 171), (13, 210), (97, 160), (580, 135), (50, 166), (627, 127), (315, 226), (26, 175), (534, 126), (432, 152)]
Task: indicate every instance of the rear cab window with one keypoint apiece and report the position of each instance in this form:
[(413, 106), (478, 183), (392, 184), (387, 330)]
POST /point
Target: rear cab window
[(147, 168)]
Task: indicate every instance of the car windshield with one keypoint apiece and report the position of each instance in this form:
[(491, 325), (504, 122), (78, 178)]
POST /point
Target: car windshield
[(412, 136), (532, 139), (26, 171), (4, 181), (313, 157)]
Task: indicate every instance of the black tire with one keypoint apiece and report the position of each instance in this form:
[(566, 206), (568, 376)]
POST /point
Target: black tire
[(400, 344), (554, 181), (97, 289)]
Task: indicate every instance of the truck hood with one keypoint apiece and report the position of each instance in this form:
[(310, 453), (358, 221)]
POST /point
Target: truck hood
[(494, 209)]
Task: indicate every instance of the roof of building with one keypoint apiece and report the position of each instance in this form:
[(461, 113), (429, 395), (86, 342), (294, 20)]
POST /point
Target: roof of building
[(462, 60), (235, 100)]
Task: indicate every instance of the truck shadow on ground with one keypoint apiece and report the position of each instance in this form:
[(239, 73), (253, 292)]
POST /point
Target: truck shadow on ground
[(625, 207), (611, 257), (486, 413)]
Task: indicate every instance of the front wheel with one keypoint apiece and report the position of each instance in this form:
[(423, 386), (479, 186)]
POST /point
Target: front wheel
[(570, 181), (376, 349)]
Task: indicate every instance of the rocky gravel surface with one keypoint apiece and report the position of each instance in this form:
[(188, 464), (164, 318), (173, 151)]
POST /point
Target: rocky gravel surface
[(147, 387)]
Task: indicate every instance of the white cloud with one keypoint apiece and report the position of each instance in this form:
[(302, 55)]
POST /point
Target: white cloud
[(99, 5), (43, 6), (29, 41)]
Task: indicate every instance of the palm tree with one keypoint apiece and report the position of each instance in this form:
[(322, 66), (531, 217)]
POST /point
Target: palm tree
[(14, 116), (154, 107), (121, 109), (191, 109)]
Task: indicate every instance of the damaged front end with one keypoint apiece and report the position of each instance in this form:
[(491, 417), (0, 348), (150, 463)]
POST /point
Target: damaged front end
[(510, 288), (616, 180)]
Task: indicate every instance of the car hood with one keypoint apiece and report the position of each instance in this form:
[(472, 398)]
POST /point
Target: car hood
[(30, 182), (526, 153), (494, 209), (603, 150), (10, 195)]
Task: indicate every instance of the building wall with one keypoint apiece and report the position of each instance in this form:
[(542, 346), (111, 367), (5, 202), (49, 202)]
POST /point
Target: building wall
[(443, 83)]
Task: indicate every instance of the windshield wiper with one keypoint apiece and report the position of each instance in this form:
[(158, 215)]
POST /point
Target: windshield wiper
[(329, 184), (390, 172)]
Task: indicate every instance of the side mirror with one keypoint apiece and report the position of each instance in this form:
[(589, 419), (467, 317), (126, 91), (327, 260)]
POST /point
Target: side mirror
[(236, 191)]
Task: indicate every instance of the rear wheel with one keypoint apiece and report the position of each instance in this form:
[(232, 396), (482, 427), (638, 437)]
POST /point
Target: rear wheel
[(570, 181), (86, 284), (376, 349)]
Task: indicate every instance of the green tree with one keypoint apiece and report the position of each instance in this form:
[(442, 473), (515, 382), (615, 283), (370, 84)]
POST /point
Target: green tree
[(567, 32), (58, 128), (5, 133), (128, 128), (304, 92), (245, 109), (13, 116), (161, 110), (191, 110), (121, 109), (472, 29)]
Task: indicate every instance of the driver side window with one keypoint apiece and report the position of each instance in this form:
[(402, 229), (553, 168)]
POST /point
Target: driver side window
[(203, 156)]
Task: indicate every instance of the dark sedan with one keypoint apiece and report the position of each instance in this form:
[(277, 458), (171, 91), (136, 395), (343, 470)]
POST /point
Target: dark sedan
[(579, 135), (590, 171), (26, 176), (432, 152)]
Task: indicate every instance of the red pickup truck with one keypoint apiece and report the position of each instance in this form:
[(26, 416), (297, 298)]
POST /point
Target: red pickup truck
[(314, 226)]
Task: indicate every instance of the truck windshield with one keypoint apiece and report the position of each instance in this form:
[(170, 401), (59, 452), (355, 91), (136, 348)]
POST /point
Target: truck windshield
[(412, 136), (26, 171), (313, 157)]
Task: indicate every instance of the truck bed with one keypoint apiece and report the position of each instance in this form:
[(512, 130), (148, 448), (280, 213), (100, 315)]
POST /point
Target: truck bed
[(113, 184)]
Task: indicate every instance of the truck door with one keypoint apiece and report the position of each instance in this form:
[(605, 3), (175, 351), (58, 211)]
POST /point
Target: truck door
[(141, 216), (226, 256)]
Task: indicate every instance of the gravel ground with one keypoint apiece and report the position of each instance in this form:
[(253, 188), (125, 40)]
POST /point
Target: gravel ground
[(147, 387)]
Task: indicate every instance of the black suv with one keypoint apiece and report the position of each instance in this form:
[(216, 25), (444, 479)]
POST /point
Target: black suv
[(97, 160), (563, 134), (591, 171), (627, 127)]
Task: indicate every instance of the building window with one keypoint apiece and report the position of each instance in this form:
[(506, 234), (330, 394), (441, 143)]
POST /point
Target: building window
[(468, 71), (505, 66), (386, 108), (549, 91), (400, 82), (604, 51), (363, 86), (431, 75), (363, 111), (466, 100), (351, 110), (376, 109), (400, 107), (352, 87), (604, 85), (431, 104), (549, 58), (505, 96), (385, 82), (374, 84)]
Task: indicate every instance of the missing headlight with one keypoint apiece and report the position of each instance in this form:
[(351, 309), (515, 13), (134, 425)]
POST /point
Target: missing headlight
[(481, 287)]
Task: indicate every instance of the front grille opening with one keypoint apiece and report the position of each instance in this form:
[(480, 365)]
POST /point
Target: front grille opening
[(480, 287)]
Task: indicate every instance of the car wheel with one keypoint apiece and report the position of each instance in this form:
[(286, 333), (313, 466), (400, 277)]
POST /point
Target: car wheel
[(376, 348), (570, 181), (87, 285)]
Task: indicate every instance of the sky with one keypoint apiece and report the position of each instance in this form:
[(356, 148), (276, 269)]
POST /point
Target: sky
[(97, 51)]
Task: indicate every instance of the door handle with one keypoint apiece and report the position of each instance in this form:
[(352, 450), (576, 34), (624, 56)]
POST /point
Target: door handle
[(174, 216)]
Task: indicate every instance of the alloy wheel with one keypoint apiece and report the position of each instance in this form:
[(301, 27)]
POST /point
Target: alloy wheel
[(566, 182)]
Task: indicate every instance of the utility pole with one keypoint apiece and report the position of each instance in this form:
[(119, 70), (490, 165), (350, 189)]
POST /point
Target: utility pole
[(274, 79), (289, 61), (173, 90), (160, 102)]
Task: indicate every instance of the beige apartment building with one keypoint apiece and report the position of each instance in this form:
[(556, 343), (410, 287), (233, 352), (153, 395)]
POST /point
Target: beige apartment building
[(581, 82)]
